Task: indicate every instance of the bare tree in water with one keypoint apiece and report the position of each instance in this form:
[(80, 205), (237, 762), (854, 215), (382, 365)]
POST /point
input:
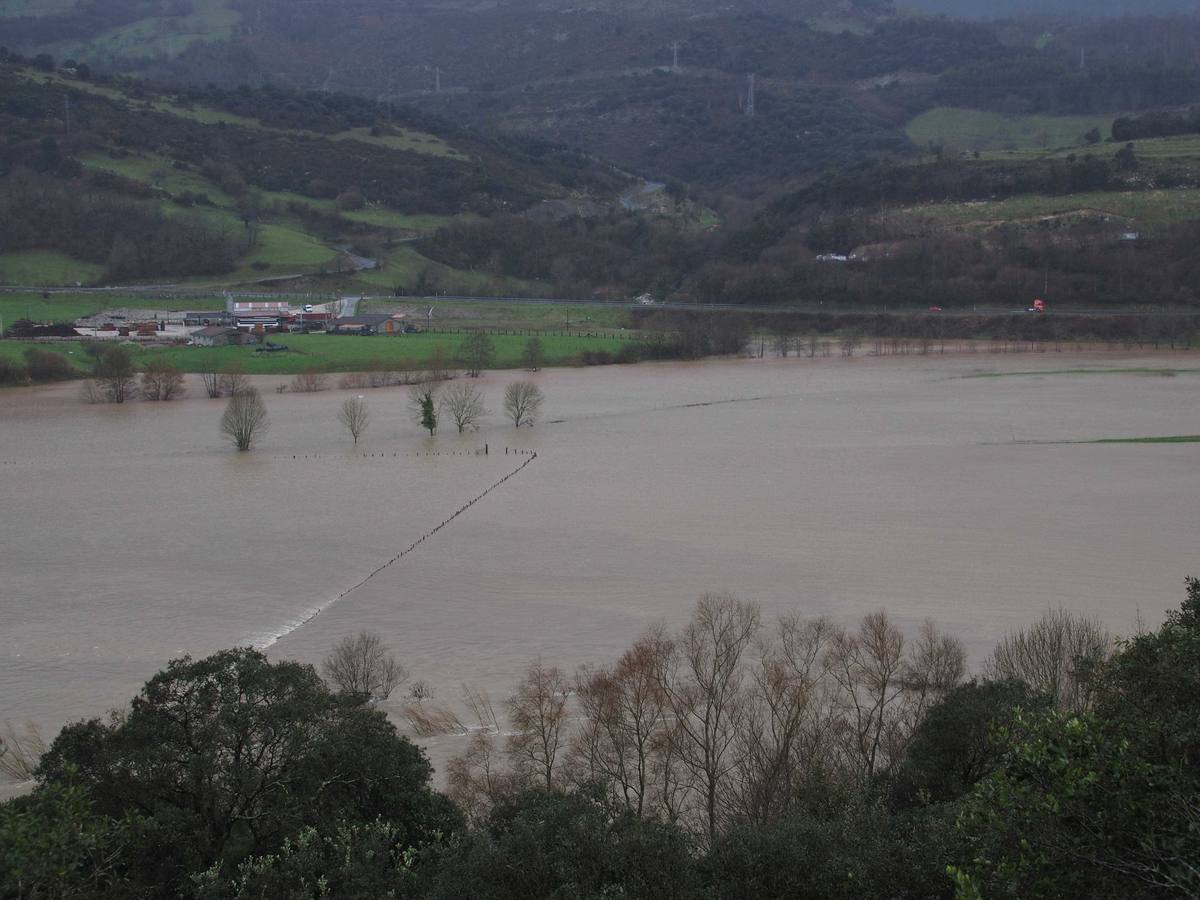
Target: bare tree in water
[(361, 665), (245, 419), (522, 400), (354, 416), (537, 712)]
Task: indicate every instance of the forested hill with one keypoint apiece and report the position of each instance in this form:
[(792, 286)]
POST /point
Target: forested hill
[(661, 89), (257, 182)]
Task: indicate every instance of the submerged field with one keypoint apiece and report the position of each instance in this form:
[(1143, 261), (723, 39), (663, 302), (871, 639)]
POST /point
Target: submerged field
[(830, 486)]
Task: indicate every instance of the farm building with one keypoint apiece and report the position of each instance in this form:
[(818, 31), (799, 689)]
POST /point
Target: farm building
[(258, 314), (216, 336), (369, 324), (208, 317)]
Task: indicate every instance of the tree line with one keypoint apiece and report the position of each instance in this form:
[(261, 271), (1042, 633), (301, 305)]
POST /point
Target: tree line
[(735, 757)]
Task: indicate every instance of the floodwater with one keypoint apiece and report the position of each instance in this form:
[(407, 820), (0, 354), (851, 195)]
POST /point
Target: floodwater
[(131, 535)]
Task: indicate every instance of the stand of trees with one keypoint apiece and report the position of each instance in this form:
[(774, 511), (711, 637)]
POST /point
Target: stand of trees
[(733, 758)]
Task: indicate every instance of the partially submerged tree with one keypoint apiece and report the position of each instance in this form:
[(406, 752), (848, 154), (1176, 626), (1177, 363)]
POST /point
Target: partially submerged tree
[(232, 380), (354, 416), (464, 405), (311, 380), (114, 375), (361, 665), (244, 419), (522, 400), (161, 381), (437, 366), (423, 401)]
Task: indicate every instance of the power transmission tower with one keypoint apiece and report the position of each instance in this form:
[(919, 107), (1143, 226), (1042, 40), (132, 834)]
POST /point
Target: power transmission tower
[(675, 56), (750, 95), (437, 79)]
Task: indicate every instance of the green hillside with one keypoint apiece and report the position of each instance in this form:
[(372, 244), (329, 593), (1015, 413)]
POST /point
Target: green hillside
[(259, 185), (974, 129)]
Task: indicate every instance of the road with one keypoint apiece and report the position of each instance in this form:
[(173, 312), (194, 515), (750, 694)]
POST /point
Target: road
[(350, 304)]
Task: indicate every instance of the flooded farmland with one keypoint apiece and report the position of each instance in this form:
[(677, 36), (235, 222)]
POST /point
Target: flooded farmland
[(131, 535)]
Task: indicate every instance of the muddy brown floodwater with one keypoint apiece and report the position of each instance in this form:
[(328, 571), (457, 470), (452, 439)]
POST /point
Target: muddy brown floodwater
[(131, 535)]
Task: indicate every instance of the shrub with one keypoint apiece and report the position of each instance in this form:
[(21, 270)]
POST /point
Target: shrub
[(46, 366), (12, 372)]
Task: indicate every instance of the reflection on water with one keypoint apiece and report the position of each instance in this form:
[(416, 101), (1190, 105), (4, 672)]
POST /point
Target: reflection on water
[(132, 535)]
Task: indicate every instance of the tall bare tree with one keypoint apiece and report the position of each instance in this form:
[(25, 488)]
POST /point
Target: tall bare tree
[(464, 404), (867, 666), (936, 664), (361, 665), (354, 416), (537, 712), (477, 779), (1048, 655), (625, 723), (211, 379), (245, 418), (115, 375), (785, 737), (703, 684), (522, 400)]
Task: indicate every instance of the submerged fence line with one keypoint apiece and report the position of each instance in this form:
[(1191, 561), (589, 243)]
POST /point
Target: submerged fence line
[(403, 553), (415, 544)]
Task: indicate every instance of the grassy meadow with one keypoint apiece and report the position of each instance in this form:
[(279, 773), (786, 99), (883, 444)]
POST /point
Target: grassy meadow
[(67, 307), (972, 129), (39, 268), (1144, 209), (340, 353)]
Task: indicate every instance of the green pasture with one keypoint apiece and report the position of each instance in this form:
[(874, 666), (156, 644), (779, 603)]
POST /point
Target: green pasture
[(973, 129), (45, 267), (1150, 150), (341, 353), (499, 314), (390, 218), (67, 307), (73, 351), (1143, 208), (403, 263)]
